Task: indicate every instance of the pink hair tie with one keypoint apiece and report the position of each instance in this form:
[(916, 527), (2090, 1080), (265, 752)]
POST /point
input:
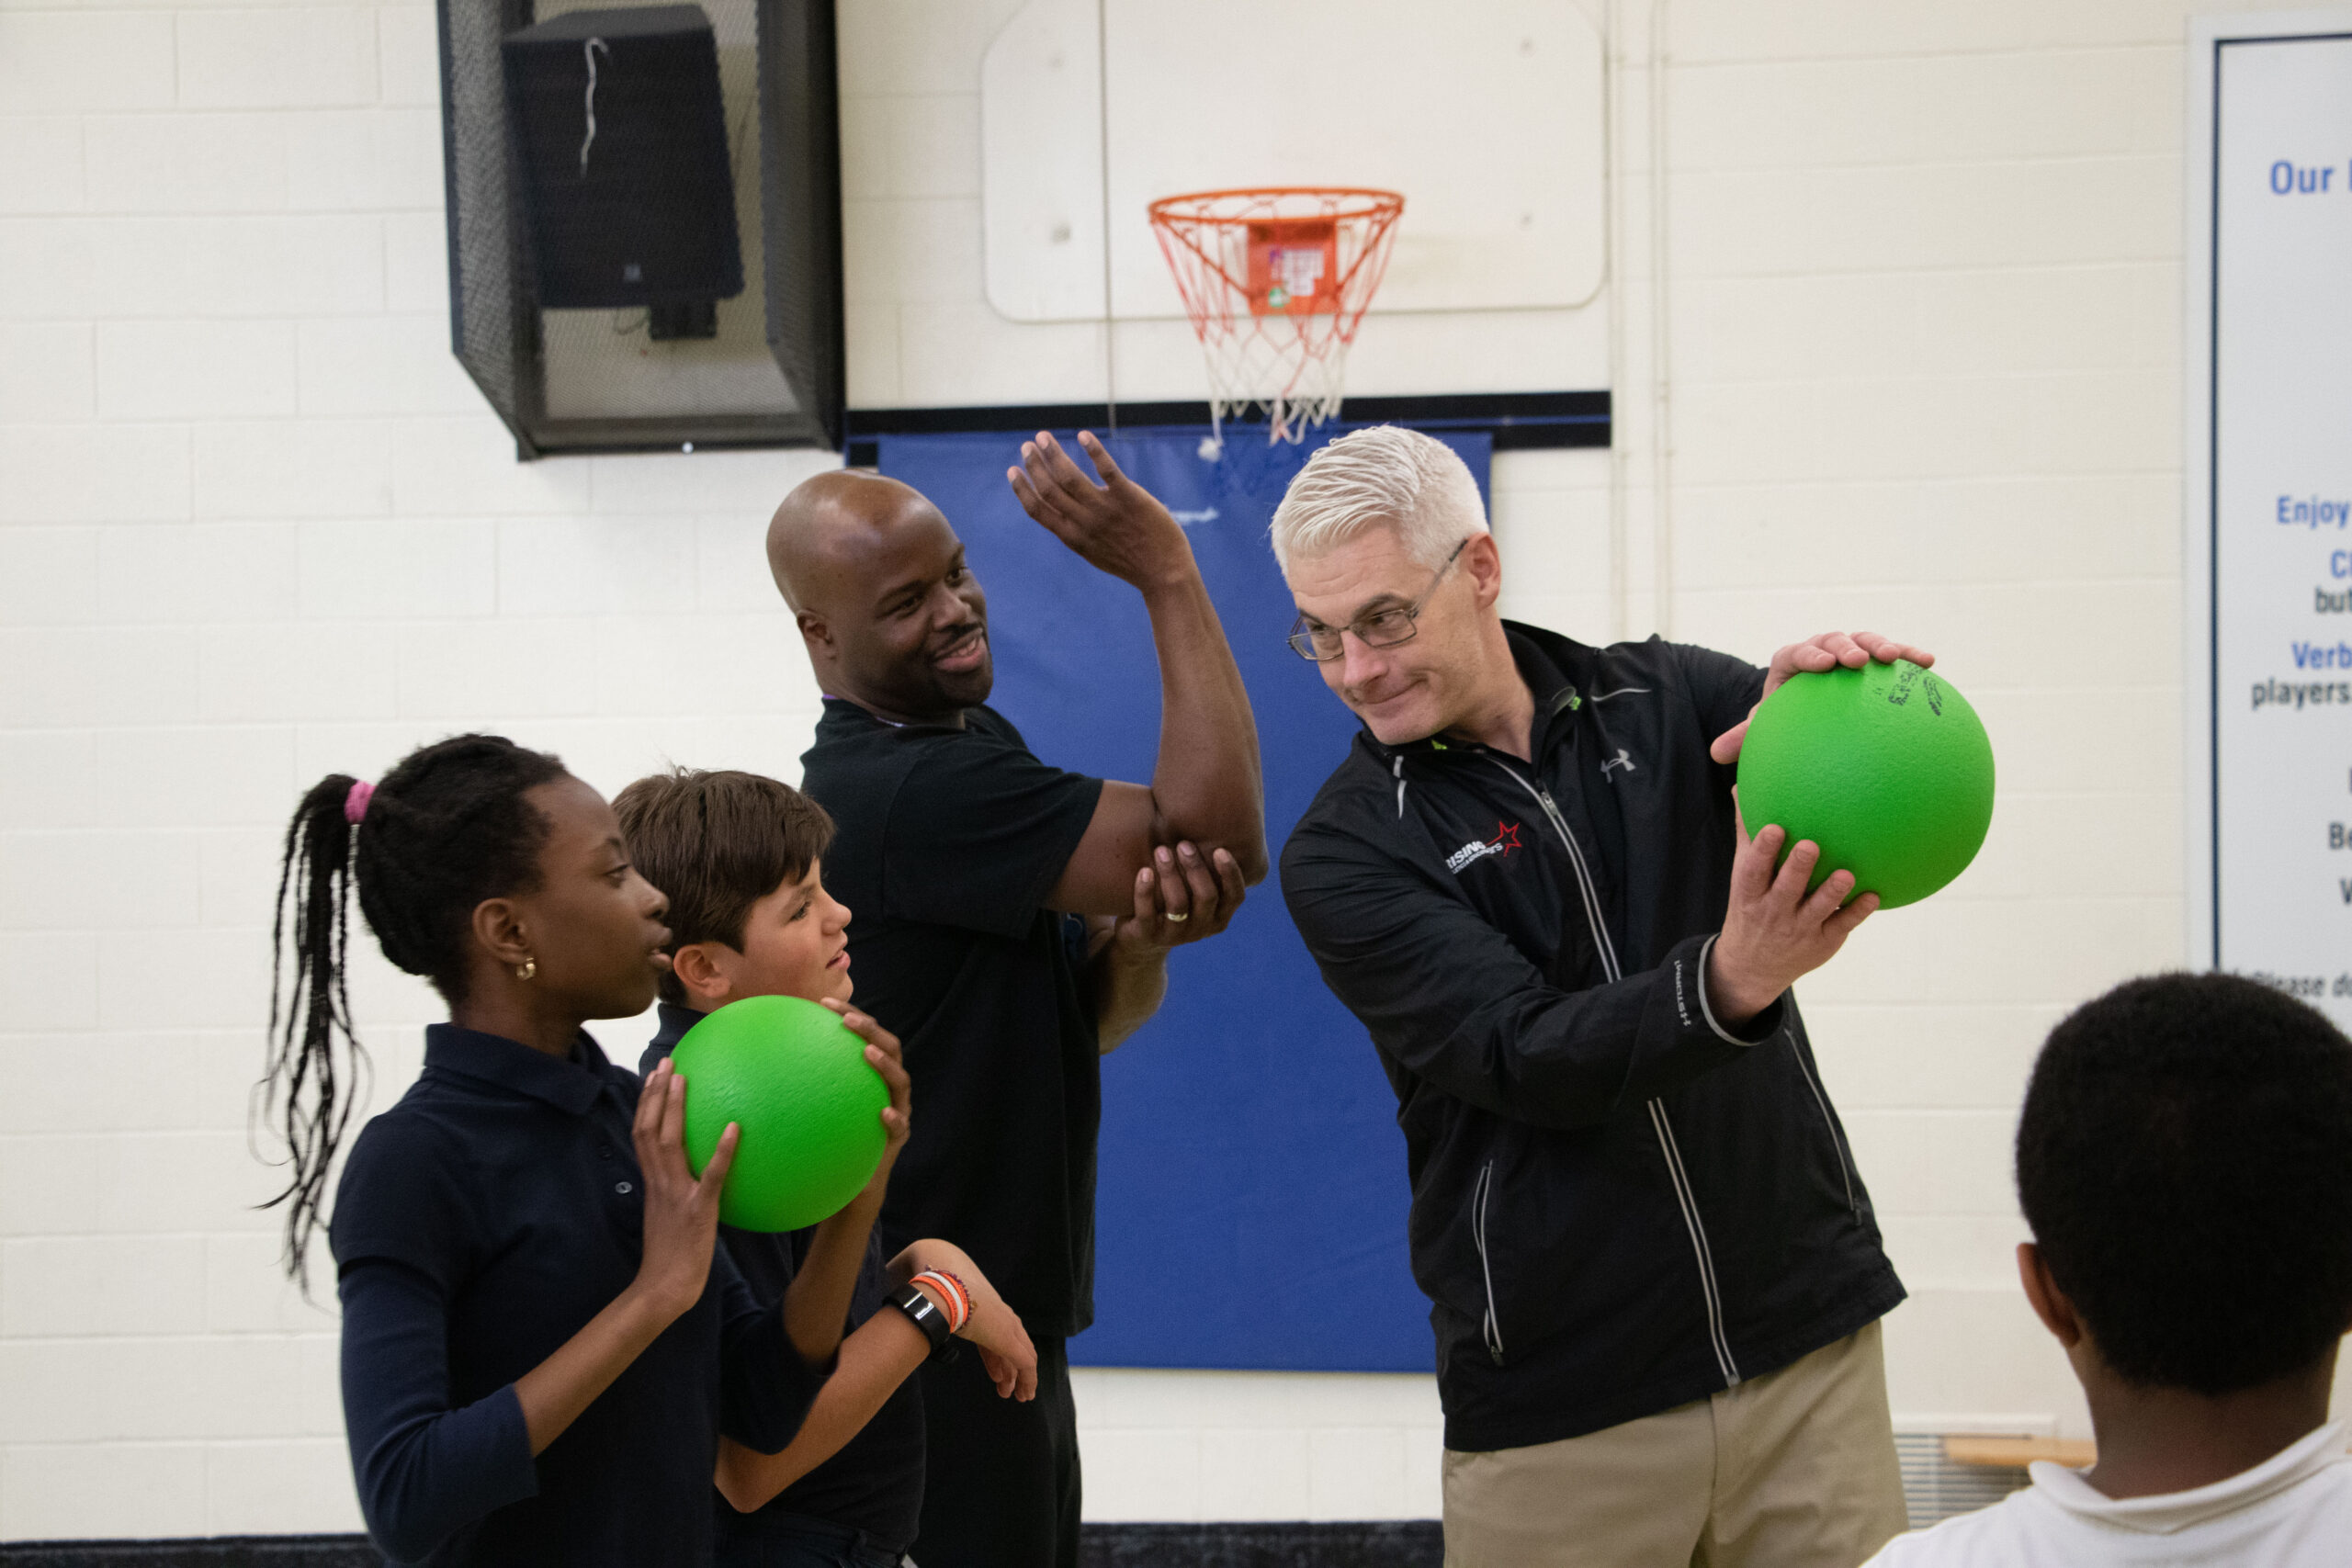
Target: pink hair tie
[(355, 805)]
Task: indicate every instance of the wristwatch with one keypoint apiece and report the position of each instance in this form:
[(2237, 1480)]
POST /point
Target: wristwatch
[(928, 1316)]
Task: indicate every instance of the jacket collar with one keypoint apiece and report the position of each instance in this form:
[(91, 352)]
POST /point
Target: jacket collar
[(1553, 666), (568, 1085)]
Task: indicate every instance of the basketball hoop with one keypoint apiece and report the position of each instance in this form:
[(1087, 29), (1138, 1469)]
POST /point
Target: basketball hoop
[(1275, 282)]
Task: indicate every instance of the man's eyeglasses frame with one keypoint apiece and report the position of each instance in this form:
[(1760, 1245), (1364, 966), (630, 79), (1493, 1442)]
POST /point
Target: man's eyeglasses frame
[(1302, 637)]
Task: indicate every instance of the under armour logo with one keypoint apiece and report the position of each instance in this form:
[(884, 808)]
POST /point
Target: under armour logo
[(1622, 760)]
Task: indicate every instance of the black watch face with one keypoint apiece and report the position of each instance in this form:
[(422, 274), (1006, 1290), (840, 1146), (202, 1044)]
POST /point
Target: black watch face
[(924, 1312)]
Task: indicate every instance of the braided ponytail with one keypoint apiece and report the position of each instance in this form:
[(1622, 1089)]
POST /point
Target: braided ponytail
[(303, 1092), (444, 829)]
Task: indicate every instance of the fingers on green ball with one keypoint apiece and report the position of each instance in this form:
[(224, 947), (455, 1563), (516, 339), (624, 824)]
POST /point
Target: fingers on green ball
[(1799, 865)]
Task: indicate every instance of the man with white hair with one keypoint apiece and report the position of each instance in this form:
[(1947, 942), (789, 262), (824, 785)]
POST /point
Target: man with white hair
[(1655, 1277)]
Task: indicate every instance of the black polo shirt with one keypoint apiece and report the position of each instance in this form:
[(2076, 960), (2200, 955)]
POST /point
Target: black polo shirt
[(874, 1483), (480, 1222), (949, 841)]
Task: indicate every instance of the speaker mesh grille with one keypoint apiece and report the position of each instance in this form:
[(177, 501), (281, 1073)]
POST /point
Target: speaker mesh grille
[(485, 288), (611, 379)]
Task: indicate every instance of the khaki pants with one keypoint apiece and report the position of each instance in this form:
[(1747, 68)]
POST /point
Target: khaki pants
[(1795, 1469)]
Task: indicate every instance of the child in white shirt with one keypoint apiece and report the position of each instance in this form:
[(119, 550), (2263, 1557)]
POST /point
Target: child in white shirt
[(2184, 1161)]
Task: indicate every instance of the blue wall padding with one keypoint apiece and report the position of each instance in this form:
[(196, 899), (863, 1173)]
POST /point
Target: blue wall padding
[(1251, 1212)]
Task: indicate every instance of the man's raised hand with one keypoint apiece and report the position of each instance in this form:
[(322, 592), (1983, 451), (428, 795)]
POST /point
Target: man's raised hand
[(1117, 527), (1813, 655)]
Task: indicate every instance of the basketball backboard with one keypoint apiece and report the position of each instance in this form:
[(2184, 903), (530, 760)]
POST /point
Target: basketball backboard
[(1489, 116)]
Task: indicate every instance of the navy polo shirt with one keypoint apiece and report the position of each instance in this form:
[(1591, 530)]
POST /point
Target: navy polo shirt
[(874, 1483), (480, 1222)]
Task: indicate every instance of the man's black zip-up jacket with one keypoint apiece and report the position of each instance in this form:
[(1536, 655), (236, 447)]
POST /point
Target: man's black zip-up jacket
[(1619, 1204)]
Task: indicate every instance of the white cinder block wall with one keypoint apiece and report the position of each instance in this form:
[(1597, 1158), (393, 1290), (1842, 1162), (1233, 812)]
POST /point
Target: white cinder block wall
[(1925, 311), (1922, 275)]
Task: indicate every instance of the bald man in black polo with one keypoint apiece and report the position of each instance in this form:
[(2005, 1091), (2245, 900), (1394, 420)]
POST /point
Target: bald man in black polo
[(1012, 919)]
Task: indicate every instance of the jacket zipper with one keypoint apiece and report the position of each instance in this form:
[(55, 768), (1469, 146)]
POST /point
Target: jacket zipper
[(1492, 1328), (1680, 1178), (1584, 887)]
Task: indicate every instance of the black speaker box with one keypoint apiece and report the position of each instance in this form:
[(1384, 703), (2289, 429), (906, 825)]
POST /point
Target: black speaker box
[(620, 143)]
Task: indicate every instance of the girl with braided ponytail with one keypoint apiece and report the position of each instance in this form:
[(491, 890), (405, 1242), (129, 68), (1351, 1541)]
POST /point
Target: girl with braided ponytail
[(540, 1345)]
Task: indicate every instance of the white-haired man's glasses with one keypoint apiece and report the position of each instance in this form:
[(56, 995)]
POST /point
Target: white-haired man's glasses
[(1382, 628)]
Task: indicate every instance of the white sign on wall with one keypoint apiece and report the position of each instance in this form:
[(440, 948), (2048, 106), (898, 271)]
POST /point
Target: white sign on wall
[(2269, 502)]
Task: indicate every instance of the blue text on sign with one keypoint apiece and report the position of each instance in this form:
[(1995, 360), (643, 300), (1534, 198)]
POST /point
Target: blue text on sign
[(2310, 512), (2295, 179)]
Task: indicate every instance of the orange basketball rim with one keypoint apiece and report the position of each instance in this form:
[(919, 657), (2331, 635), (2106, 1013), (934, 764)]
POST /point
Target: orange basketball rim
[(1276, 281)]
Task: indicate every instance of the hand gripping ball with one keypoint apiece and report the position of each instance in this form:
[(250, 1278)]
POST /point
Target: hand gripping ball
[(1886, 768), (791, 1074)]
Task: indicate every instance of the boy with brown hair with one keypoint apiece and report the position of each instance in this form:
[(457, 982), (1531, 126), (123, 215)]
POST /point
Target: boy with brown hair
[(741, 856)]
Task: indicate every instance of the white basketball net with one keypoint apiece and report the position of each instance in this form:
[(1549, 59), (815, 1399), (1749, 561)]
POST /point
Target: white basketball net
[(1275, 283)]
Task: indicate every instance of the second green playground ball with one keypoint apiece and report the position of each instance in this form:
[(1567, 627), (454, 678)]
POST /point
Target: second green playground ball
[(795, 1078), (1887, 768)]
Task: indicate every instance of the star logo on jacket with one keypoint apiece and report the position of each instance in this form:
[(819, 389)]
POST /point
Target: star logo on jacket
[(1504, 842)]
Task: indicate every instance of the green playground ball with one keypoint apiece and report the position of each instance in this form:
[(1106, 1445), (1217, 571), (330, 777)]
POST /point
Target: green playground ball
[(795, 1078), (1886, 768)]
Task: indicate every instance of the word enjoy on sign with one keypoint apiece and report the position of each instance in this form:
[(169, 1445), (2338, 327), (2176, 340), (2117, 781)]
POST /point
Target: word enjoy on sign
[(2310, 512)]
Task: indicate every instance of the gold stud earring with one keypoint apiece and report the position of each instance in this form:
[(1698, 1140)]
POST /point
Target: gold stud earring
[(528, 967)]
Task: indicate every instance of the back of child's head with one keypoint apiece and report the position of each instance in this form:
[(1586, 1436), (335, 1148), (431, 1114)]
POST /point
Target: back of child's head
[(2185, 1160), (446, 828), (717, 843)]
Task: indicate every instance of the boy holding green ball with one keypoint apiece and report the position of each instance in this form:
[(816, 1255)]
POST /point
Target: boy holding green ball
[(741, 856)]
